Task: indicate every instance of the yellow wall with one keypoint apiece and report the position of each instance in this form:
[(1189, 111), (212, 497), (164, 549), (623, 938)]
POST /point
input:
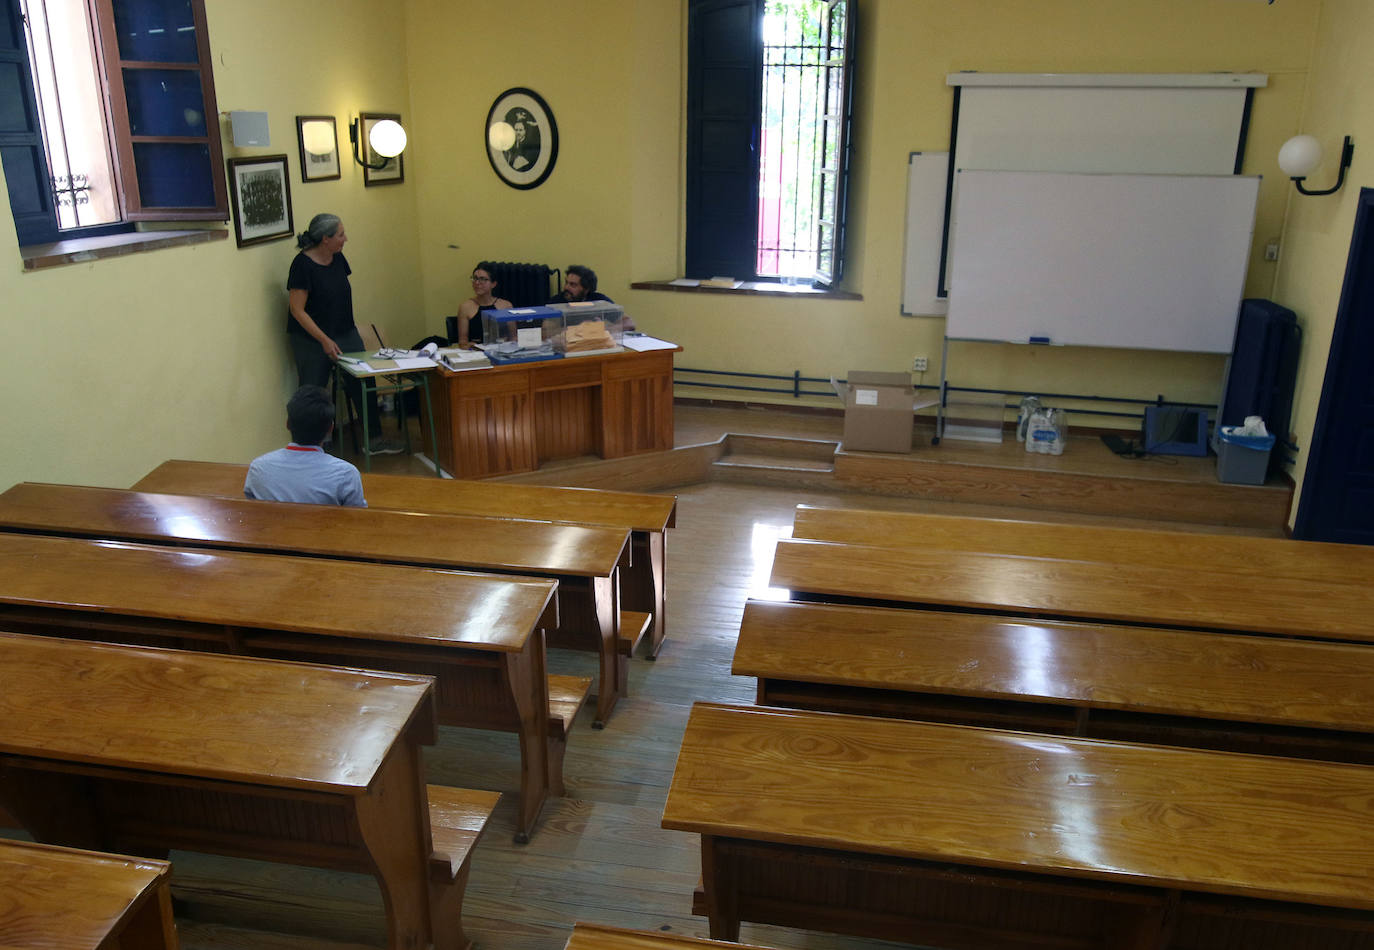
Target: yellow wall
[(186, 357), (119, 364), (612, 72), (1317, 237)]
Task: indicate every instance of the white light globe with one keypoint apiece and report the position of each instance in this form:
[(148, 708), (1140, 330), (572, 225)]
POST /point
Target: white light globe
[(1300, 156), (387, 138), (318, 138), (501, 136)]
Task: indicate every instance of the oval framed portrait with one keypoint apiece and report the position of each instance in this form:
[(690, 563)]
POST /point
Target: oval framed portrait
[(522, 138)]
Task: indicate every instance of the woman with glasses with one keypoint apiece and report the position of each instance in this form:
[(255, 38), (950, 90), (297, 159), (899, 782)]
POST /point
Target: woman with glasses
[(470, 310)]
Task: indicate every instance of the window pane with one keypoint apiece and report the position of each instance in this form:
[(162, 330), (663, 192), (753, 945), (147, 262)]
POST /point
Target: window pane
[(173, 175), (164, 102), (159, 31)]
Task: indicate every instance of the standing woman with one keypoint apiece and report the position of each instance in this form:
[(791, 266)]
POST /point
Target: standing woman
[(320, 325), (470, 310)]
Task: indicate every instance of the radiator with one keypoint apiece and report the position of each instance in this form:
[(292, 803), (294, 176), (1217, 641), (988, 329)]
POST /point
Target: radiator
[(526, 285)]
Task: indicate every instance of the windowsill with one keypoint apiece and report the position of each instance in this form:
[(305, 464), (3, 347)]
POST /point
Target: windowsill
[(750, 288), (84, 250)]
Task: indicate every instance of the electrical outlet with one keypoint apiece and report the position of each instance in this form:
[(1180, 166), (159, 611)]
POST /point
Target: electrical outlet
[(1271, 251), (918, 365)]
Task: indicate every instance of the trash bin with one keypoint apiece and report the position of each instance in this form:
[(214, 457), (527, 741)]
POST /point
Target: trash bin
[(1243, 459)]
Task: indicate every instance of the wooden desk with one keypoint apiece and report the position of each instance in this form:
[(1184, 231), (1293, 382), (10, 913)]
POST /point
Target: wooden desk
[(477, 634), (1073, 590), (583, 560), (643, 584), (514, 418), (127, 749), (962, 837), (1213, 553), (61, 897), (597, 937), (1263, 695)]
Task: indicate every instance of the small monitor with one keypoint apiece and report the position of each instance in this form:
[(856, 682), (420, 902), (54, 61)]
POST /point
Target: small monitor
[(1174, 430)]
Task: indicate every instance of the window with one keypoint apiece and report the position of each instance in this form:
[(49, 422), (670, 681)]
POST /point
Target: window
[(768, 111), (107, 111)]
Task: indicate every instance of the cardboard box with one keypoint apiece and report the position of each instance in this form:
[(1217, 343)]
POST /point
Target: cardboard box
[(877, 411)]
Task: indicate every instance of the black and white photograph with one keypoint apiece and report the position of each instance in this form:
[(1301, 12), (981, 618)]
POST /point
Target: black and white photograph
[(521, 138), (261, 195), (318, 138)]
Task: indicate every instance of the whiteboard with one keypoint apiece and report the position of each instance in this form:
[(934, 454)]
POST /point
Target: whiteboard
[(1117, 260)]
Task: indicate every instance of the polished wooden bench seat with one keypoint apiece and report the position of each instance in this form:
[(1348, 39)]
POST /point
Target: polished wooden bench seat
[(643, 583), (81, 900), (478, 635), (1149, 595), (960, 837), (1264, 695), (597, 937), (139, 750), (585, 561), (1223, 553)]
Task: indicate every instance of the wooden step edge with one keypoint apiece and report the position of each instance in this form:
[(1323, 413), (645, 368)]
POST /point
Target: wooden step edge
[(634, 624), (567, 694), (457, 818), (774, 463)]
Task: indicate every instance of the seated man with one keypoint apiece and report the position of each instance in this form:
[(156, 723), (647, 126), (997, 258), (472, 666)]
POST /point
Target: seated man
[(303, 471), (580, 287)]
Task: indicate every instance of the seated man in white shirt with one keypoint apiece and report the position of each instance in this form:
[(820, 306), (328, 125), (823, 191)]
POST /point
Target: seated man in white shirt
[(303, 471)]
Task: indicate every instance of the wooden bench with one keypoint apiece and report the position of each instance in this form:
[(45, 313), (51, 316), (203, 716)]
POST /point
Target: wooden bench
[(478, 635), (1224, 553), (1265, 695), (585, 561), (1149, 595), (960, 837), (643, 584), (597, 937), (129, 749), (62, 897)]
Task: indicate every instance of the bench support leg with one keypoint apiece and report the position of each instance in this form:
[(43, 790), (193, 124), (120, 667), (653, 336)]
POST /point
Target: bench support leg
[(446, 903), (396, 838), (527, 681), (718, 882)]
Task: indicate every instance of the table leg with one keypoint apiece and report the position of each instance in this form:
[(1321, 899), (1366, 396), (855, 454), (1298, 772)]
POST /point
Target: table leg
[(527, 678), (429, 418), (393, 821), (718, 882), (615, 669)]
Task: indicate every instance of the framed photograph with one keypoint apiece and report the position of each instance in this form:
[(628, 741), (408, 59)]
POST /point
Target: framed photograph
[(394, 171), (521, 138), (261, 196), (319, 144)]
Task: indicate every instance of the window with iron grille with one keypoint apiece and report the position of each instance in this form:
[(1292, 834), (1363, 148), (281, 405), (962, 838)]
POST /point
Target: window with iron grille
[(768, 137), (111, 116)]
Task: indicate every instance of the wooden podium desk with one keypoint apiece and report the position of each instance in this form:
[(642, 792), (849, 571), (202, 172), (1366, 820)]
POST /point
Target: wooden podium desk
[(515, 417)]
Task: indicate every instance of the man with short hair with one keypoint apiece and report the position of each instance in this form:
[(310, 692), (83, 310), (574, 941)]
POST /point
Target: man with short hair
[(580, 287), (303, 472)]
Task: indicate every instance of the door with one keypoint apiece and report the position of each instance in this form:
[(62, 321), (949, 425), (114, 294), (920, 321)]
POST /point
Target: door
[(1337, 502)]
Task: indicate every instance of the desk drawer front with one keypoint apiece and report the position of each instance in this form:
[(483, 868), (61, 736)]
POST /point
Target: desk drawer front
[(561, 374), (642, 364)]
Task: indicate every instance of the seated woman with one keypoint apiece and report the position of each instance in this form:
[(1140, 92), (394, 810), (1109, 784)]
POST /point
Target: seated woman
[(470, 310)]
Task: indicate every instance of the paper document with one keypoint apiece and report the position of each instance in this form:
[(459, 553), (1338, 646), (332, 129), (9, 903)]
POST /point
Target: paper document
[(646, 343), (684, 282), (414, 362)]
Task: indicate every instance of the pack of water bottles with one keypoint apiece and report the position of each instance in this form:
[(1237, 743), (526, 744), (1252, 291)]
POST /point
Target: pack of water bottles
[(1042, 429)]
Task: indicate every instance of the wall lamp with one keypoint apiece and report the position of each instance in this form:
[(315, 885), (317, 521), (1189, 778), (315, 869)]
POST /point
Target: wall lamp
[(1301, 155), (385, 136)]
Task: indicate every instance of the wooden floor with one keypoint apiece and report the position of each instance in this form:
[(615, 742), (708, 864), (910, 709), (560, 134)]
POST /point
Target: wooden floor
[(599, 854)]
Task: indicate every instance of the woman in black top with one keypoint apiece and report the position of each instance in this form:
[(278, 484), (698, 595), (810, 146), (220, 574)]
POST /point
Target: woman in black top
[(320, 325)]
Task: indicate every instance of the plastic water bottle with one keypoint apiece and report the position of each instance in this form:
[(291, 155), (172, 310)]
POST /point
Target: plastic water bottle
[(1045, 432), (1028, 405)]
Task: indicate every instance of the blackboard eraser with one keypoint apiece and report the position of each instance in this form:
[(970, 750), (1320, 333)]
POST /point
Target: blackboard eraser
[(1040, 339)]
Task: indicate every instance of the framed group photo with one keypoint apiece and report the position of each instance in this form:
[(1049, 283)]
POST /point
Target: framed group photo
[(318, 138), (394, 171), (521, 138), (260, 193)]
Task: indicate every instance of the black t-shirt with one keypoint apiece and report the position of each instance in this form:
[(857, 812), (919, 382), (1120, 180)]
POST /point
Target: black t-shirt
[(329, 296)]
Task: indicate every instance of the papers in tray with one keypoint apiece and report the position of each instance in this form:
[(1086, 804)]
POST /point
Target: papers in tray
[(644, 344)]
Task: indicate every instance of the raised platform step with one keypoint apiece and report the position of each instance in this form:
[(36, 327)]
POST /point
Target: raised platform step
[(773, 446), (775, 462)]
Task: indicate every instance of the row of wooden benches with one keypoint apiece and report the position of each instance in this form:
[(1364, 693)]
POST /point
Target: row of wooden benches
[(480, 637), (950, 830)]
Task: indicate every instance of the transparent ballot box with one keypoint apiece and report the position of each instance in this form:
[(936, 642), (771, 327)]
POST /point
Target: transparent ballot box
[(596, 326), (522, 334)]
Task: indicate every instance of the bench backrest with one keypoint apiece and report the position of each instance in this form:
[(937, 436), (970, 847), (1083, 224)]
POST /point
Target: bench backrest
[(1229, 553), (449, 541), (1087, 590), (632, 511), (991, 798)]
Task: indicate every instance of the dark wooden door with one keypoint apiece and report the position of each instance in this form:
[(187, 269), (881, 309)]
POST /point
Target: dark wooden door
[(1337, 502)]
